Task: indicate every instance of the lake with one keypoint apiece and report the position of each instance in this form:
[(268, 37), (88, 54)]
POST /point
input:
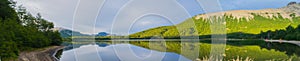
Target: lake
[(106, 52), (143, 50)]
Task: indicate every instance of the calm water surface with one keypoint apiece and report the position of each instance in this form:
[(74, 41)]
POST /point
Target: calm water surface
[(107, 52), (139, 51)]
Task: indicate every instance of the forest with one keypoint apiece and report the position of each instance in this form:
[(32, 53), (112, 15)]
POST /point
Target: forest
[(290, 33), (21, 31)]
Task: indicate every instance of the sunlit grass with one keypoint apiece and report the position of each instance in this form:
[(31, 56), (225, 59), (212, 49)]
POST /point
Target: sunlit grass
[(216, 59)]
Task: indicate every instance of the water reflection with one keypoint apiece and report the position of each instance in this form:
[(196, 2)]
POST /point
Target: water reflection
[(254, 49), (107, 53)]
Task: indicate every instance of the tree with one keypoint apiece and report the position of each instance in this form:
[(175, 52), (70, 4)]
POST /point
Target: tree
[(21, 31), (298, 28), (293, 15), (290, 29)]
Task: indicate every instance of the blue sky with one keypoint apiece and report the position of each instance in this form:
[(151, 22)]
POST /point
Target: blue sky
[(61, 12)]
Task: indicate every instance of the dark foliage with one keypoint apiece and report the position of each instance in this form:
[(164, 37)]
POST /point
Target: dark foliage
[(20, 31), (290, 33)]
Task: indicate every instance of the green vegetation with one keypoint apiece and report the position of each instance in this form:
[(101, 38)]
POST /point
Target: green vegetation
[(256, 50), (234, 26), (290, 33), (21, 31)]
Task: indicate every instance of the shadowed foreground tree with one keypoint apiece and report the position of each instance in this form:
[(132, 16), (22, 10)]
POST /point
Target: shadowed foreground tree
[(20, 31)]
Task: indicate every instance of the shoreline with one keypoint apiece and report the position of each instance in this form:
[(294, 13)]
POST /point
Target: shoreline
[(44, 54), (55, 53)]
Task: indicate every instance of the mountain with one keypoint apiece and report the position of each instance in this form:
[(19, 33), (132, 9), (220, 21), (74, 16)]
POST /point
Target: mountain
[(67, 32), (237, 21), (102, 34)]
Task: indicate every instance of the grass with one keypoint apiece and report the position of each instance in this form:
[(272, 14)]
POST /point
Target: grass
[(214, 59)]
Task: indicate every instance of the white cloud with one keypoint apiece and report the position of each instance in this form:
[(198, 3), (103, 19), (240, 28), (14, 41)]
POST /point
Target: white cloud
[(146, 23), (136, 9), (61, 12), (58, 11)]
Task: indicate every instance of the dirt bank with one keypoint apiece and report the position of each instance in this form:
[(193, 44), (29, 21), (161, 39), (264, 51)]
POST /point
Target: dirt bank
[(45, 54)]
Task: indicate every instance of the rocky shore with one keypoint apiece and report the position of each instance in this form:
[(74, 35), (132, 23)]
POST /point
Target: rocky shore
[(45, 54)]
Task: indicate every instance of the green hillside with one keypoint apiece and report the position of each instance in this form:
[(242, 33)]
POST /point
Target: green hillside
[(203, 26)]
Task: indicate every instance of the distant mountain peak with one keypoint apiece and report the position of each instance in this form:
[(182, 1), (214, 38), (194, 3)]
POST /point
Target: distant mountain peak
[(67, 32), (285, 12), (102, 34), (292, 7), (57, 29)]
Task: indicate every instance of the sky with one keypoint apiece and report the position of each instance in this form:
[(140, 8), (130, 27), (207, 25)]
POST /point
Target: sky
[(129, 16)]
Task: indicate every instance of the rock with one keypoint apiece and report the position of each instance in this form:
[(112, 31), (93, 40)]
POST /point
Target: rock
[(45, 54), (292, 3)]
